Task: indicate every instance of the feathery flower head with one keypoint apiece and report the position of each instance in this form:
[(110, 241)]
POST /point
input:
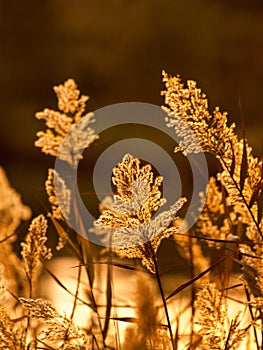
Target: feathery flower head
[(12, 335), (215, 327), (58, 331), (187, 106), (59, 123), (59, 198), (12, 210), (34, 248), (240, 206), (129, 221)]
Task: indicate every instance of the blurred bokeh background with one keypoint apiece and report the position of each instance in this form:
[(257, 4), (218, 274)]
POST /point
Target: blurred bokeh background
[(116, 50)]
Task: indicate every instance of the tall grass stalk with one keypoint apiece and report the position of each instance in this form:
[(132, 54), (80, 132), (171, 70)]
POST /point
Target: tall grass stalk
[(159, 282)]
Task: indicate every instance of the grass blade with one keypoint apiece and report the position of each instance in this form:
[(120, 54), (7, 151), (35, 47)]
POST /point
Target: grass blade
[(187, 284), (108, 302), (244, 167), (66, 289), (244, 162)]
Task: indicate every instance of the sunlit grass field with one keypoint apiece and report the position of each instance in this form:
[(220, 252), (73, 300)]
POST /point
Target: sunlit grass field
[(120, 295)]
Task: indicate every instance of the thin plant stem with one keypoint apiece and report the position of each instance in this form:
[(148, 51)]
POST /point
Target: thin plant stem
[(76, 294), (82, 261), (29, 277), (250, 308), (115, 312), (176, 338), (243, 198), (252, 317), (157, 274), (190, 241), (92, 296)]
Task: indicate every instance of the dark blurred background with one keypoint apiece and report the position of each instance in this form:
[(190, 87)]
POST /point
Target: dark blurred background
[(116, 50)]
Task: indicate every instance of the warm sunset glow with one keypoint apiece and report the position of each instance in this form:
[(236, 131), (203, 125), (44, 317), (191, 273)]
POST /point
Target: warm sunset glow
[(118, 295)]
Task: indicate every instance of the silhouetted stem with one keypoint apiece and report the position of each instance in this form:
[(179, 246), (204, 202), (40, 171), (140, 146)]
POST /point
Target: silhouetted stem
[(76, 294), (157, 274), (192, 288)]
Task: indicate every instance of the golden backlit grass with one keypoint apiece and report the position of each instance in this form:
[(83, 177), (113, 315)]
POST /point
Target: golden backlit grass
[(212, 309)]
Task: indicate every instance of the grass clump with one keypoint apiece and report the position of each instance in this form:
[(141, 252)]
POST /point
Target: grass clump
[(222, 310)]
